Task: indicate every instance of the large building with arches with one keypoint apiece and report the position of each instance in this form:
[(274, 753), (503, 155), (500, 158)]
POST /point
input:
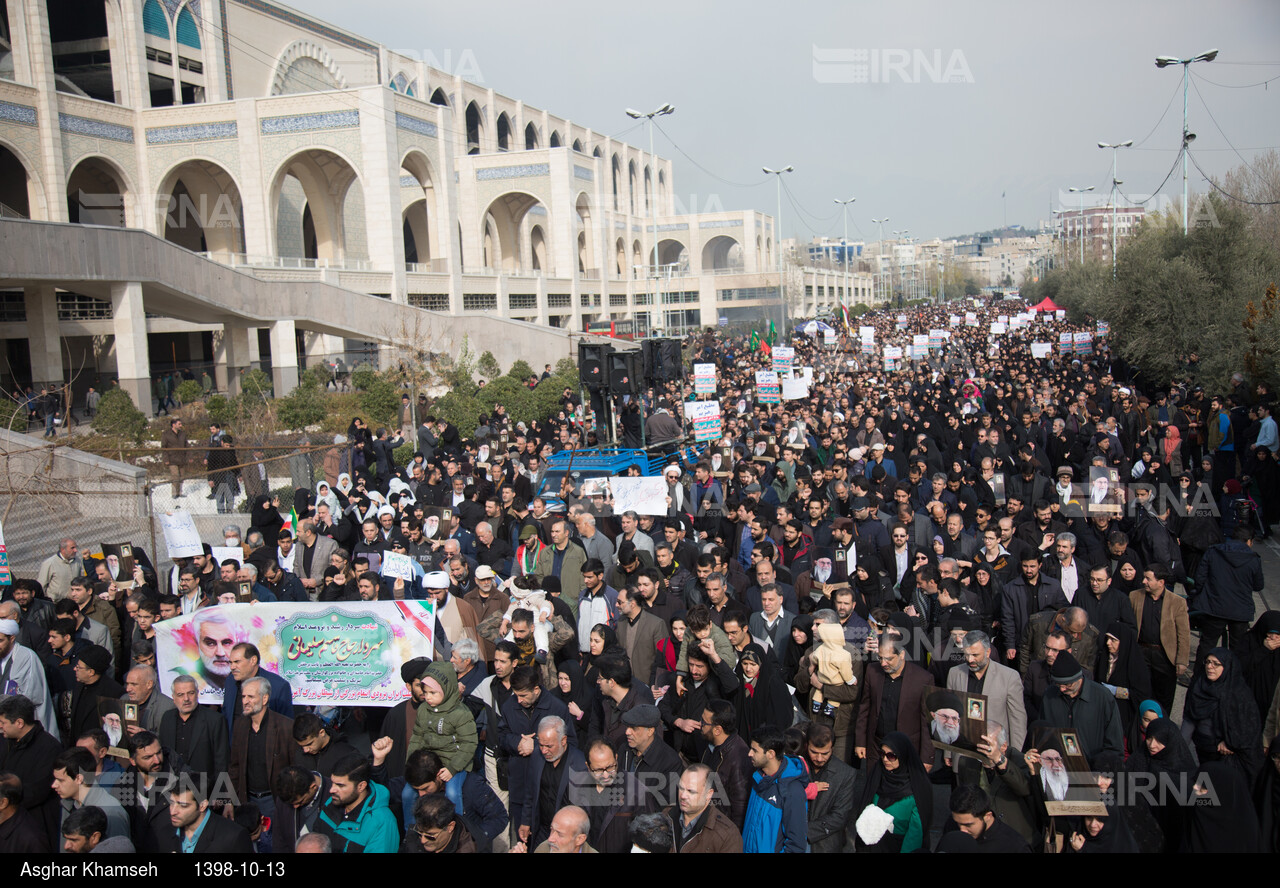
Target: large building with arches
[(299, 153)]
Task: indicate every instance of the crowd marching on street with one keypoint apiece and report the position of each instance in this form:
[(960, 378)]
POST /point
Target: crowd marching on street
[(934, 589)]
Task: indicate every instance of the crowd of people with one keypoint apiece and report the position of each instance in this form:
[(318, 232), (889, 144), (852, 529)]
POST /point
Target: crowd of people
[(946, 606)]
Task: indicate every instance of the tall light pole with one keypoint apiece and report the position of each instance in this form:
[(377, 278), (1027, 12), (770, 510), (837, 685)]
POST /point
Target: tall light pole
[(902, 271), (667, 108), (1081, 192), (777, 246), (1115, 192), (844, 244), (1187, 137), (880, 258)]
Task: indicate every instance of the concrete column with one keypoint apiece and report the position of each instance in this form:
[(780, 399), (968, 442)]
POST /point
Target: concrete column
[(255, 348), (42, 330), (284, 357), (133, 358), (230, 357)]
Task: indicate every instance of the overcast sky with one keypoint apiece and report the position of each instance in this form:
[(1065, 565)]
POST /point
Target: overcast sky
[(768, 84)]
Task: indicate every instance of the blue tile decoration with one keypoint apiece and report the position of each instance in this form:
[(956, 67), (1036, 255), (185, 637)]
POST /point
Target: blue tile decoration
[(721, 223), (522, 171), (98, 129), (409, 182), (17, 113), (580, 172), (415, 125), (195, 132), (672, 226), (172, 6), (537, 210), (304, 123), (620, 226)]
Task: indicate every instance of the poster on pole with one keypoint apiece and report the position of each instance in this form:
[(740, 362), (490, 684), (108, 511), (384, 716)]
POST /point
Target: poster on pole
[(953, 321), (768, 389), (1104, 328), (901, 321), (1041, 349), (706, 420), (1064, 343), (704, 379), (892, 357), (336, 653), (228, 553), (997, 328), (1060, 314), (1084, 343), (644, 496), (971, 319), (783, 358), (398, 566), (938, 338), (180, 535), (6, 576), (920, 340)]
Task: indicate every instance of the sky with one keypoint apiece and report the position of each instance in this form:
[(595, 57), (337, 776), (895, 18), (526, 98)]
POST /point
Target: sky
[(925, 112)]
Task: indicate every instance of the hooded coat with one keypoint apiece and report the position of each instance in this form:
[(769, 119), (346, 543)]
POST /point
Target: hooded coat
[(449, 730)]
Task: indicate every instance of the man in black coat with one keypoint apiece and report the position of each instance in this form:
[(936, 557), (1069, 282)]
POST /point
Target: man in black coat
[(648, 756), (1030, 593), (28, 751), (93, 683), (198, 830), (971, 812), (832, 808), (195, 733), (1102, 602), (20, 833)]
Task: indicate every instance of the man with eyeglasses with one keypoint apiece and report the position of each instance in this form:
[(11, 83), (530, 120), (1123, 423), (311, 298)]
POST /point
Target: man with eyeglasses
[(555, 766), (1103, 603), (613, 798), (894, 699)]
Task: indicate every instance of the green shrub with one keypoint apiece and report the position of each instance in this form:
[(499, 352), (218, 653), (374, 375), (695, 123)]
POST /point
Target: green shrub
[(255, 384), (118, 416), (488, 366), (304, 406), (379, 400), (520, 371), (220, 408), (189, 391), (363, 376), (403, 455), (316, 376), (566, 367), (459, 409)]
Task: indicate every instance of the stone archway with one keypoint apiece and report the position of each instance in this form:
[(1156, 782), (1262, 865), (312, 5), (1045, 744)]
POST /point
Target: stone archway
[(201, 208), (325, 185), (98, 193)]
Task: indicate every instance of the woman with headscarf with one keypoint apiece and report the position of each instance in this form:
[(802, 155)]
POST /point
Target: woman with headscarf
[(1168, 759), (669, 647), (1221, 819), (1122, 670), (573, 691), (602, 640), (1171, 449), (1102, 835), (871, 590), (1109, 769), (325, 494), (1266, 800), (1261, 660), (763, 698), (988, 588), (797, 645), (898, 785), (265, 518), (1220, 718), (1135, 739)]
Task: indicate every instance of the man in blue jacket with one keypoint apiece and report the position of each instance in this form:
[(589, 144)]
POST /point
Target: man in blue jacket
[(777, 819), (1228, 576), (244, 666), (356, 818)]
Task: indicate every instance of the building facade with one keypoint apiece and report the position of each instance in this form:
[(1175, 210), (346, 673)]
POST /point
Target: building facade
[(295, 151)]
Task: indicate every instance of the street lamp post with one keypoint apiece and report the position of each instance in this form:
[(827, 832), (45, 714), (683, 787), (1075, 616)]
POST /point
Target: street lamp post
[(1115, 192), (667, 108), (844, 244), (880, 258), (1187, 137), (1081, 192), (902, 271), (777, 246)]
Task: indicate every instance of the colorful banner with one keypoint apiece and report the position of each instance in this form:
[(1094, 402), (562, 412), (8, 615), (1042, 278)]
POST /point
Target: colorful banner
[(704, 379), (1064, 343), (705, 416), (1060, 313), (768, 388), (340, 653), (953, 321), (971, 319), (1104, 328), (938, 338), (783, 358), (1084, 343), (892, 357)]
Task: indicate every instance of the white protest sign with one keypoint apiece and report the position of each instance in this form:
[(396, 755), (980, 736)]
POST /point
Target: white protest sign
[(644, 496), (227, 553), (794, 389), (997, 329), (768, 389), (1041, 349), (706, 420), (397, 565), (180, 535), (704, 379), (783, 358)]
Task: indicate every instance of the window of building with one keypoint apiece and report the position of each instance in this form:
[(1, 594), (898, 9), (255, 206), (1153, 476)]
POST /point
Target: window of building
[(479, 302), (430, 301)]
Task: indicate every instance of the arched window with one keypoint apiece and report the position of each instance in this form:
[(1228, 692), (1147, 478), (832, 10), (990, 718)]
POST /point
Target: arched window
[(438, 98), (617, 171), (473, 129), (154, 20), (530, 137), (188, 33), (504, 132), (577, 145), (554, 141)]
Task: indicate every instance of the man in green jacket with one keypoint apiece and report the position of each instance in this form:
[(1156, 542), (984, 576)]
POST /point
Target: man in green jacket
[(356, 817), (564, 559)]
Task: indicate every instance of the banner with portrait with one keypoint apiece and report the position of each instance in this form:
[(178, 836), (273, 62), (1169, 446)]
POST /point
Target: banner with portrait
[(339, 653)]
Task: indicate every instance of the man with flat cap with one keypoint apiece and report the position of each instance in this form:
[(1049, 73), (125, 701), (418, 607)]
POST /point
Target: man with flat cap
[(1082, 706), (648, 756)]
